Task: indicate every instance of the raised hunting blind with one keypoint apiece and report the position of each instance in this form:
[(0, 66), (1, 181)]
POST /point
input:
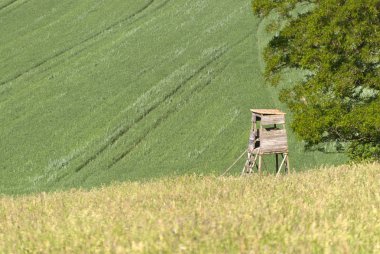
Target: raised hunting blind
[(267, 136)]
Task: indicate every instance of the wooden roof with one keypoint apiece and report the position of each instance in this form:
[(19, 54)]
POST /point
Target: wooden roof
[(267, 112)]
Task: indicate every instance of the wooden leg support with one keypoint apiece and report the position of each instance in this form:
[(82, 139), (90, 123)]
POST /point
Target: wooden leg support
[(252, 162), (276, 163), (260, 163), (282, 163), (287, 164)]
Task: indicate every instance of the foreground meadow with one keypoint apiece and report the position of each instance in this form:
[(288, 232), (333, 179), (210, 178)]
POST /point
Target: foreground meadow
[(334, 210)]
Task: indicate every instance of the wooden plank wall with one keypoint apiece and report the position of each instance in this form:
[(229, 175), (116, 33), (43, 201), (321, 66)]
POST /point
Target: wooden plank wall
[(273, 141), (273, 119)]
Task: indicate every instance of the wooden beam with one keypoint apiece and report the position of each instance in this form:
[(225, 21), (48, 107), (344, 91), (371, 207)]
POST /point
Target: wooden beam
[(276, 162), (282, 163), (260, 163), (287, 164)]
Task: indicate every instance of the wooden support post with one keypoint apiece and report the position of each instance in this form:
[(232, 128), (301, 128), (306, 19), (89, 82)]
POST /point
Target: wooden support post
[(277, 163), (254, 123), (287, 164), (282, 163), (260, 163)]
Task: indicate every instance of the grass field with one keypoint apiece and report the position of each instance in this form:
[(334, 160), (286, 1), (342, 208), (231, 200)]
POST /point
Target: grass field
[(97, 91), (331, 210)]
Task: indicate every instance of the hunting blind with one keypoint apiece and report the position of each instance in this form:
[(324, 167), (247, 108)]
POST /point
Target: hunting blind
[(267, 136)]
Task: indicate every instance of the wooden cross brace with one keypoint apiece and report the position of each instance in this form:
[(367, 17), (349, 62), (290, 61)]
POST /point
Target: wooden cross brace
[(252, 162), (285, 158)]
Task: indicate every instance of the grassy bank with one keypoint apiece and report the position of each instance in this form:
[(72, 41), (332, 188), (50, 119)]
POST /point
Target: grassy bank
[(334, 210)]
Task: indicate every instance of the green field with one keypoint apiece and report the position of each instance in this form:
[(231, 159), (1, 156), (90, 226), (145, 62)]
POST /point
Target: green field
[(93, 92), (332, 210)]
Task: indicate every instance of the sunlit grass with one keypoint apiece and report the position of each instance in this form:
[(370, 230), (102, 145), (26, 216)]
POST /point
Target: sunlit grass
[(332, 210)]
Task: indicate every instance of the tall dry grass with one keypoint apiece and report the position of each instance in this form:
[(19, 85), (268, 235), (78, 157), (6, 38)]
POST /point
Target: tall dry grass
[(335, 210)]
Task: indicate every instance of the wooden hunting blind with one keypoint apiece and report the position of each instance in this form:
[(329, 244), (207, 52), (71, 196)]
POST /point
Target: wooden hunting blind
[(267, 136)]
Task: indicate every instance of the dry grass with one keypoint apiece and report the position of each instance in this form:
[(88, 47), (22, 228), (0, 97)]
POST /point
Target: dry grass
[(334, 210)]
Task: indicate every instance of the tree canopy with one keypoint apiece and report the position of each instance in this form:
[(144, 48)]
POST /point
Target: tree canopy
[(338, 42)]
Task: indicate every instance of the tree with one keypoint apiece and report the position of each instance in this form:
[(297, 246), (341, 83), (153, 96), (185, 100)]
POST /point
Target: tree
[(339, 43)]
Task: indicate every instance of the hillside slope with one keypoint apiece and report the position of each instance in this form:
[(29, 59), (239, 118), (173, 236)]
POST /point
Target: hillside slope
[(93, 91), (334, 210)]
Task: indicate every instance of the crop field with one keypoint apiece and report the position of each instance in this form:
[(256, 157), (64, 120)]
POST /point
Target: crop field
[(330, 210), (93, 92)]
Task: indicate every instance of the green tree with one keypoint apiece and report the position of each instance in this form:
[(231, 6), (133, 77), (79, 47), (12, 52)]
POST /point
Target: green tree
[(339, 43)]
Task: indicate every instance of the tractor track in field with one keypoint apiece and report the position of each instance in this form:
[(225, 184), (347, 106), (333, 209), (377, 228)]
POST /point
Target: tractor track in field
[(107, 29), (15, 8), (156, 124), (7, 4), (174, 109), (124, 130), (63, 51)]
